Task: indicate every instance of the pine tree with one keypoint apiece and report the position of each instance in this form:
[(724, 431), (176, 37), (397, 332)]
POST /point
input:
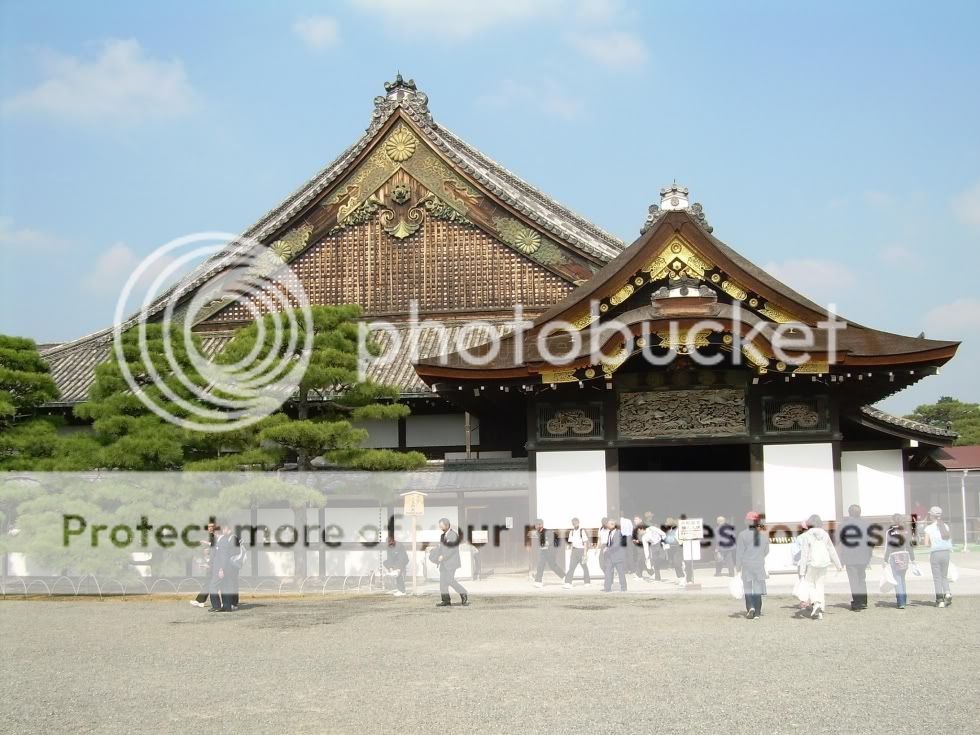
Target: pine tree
[(24, 380), (331, 395), (949, 413)]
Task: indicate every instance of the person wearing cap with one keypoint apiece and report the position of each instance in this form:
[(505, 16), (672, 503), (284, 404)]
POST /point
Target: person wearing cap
[(751, 549), (939, 540)]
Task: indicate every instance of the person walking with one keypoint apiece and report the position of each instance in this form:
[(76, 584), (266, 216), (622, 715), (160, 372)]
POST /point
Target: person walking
[(447, 557), (750, 552), (396, 560), (653, 538), (615, 557), (545, 544), (207, 549), (602, 542), (675, 552), (939, 541), (579, 540), (226, 562), (725, 551), (899, 556), (855, 546), (638, 563), (817, 555)]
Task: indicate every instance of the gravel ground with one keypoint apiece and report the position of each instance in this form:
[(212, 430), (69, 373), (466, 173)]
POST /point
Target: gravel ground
[(374, 664)]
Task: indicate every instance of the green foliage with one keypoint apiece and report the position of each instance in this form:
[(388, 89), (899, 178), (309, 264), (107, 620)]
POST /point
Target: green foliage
[(24, 380), (947, 412), (331, 388)]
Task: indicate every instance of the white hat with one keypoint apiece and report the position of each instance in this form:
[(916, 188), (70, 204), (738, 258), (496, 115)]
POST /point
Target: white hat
[(936, 510)]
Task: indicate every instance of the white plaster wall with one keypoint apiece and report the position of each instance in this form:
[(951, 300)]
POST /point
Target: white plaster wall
[(875, 480), (798, 481), (571, 484), (381, 434)]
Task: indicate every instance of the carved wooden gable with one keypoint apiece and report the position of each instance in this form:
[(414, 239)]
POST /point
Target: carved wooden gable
[(403, 225)]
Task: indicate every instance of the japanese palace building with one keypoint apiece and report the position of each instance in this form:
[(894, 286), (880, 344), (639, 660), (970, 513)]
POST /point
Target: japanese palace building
[(411, 213)]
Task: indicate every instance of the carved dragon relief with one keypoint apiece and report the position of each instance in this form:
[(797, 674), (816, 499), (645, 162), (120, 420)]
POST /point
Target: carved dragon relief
[(675, 413)]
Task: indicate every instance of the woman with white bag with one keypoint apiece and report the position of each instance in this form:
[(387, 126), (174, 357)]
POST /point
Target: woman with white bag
[(817, 554), (899, 557), (939, 539)]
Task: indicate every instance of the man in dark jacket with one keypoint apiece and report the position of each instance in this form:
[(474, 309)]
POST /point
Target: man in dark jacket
[(545, 543), (396, 559), (448, 560), (615, 557), (854, 548), (225, 565)]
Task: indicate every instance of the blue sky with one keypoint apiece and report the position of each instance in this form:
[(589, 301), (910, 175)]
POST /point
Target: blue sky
[(837, 144)]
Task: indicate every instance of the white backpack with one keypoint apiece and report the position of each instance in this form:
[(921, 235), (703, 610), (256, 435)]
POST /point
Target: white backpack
[(819, 555)]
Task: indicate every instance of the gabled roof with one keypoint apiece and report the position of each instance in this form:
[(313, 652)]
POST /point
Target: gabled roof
[(678, 243), (73, 362)]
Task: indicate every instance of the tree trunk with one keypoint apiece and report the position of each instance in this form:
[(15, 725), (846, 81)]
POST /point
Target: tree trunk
[(302, 412)]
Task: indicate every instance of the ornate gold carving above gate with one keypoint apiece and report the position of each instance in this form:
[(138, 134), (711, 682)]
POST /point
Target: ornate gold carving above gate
[(570, 420), (401, 144), (795, 415), (518, 236), (681, 413)]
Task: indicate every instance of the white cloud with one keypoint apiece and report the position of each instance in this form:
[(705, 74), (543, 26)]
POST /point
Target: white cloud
[(953, 320), (122, 84), (547, 96), (897, 255), (823, 281), (27, 240), (116, 264), (452, 19), (966, 206), (616, 49), (318, 32)]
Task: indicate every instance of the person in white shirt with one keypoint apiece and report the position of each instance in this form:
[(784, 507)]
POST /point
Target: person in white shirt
[(602, 542), (653, 539), (579, 540), (817, 556), (939, 540)]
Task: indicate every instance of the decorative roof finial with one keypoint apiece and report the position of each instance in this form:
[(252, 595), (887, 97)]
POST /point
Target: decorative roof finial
[(673, 198), (400, 93)]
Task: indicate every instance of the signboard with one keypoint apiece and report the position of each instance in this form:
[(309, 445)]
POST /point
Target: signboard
[(690, 529), (414, 504), (479, 537)]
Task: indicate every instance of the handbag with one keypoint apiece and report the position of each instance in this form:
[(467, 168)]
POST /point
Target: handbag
[(887, 581), (735, 587), (801, 590), (953, 573)]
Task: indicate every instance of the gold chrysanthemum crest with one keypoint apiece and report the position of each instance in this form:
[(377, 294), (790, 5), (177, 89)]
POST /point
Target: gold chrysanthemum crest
[(400, 145)]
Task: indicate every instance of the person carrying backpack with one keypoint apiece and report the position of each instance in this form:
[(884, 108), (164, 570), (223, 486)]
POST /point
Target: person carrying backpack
[(940, 543), (818, 554), (899, 555)]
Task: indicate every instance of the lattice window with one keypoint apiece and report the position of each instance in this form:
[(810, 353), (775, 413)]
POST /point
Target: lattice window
[(795, 415), (569, 421)]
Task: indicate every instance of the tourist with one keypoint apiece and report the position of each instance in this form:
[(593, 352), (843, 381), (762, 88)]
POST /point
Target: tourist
[(751, 550), (447, 557), (579, 541), (615, 557), (939, 540), (817, 555), (544, 543), (226, 561), (207, 549), (653, 538), (626, 528), (675, 552), (638, 558), (899, 556), (855, 547), (725, 552), (601, 543), (396, 560)]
